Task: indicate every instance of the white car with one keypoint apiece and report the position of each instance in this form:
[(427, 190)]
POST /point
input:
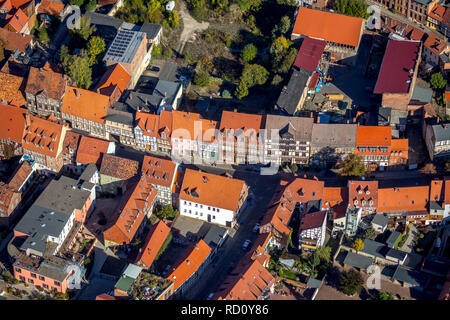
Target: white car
[(246, 245)]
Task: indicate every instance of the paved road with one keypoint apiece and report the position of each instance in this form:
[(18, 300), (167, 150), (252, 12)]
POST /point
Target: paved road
[(190, 26), (231, 252)]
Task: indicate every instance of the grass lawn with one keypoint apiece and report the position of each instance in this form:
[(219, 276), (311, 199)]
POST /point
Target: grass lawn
[(288, 274)]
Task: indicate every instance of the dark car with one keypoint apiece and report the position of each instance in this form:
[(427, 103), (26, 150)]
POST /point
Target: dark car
[(154, 68)]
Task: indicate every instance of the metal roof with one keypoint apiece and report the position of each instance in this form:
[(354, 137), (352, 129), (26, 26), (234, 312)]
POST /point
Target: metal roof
[(358, 261), (411, 277), (124, 46)]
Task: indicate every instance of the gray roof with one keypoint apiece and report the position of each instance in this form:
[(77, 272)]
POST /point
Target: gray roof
[(313, 206), (399, 117), (299, 127), (165, 90), (151, 29), (136, 100), (88, 172), (380, 219), (39, 223), (384, 114), (104, 20), (55, 268), (358, 260), (287, 262), (397, 254), (393, 237), (132, 271), (374, 248), (411, 277), (314, 283), (413, 261), (422, 94), (334, 135), (64, 195), (291, 94), (436, 205), (119, 116), (441, 132), (124, 46)]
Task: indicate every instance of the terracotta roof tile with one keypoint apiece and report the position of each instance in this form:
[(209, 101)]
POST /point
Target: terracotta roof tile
[(193, 125), (312, 220), (165, 124), (403, 199), (11, 89), (12, 123), (71, 141), (148, 122), (51, 7), (85, 104), (118, 167), (333, 196), (210, 189), (90, 150), (435, 45), (42, 136), (251, 124), (437, 12), (191, 260), (20, 175), (158, 171), (437, 190), (130, 213), (15, 41), (6, 195), (322, 25), (115, 76), (363, 191), (17, 20), (46, 82), (153, 243)]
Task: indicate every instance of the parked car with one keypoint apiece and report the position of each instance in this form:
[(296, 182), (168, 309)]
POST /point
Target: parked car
[(246, 245), (210, 296), (256, 228), (153, 68)]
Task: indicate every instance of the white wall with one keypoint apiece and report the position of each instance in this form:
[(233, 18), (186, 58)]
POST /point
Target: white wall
[(201, 212)]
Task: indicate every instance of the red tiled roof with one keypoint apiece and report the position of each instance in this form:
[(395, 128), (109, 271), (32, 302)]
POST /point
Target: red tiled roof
[(85, 104), (412, 33), (165, 124), (17, 20), (373, 136), (331, 27), (399, 59), (437, 12), (46, 82), (153, 243), (71, 141), (90, 150), (12, 123), (6, 195), (363, 191), (210, 189), (191, 260), (11, 90), (447, 190), (437, 190), (312, 220), (158, 171), (118, 167), (189, 125), (250, 124), (403, 199), (435, 45), (15, 41), (148, 122), (131, 213), (333, 196), (308, 56), (115, 76), (247, 282), (51, 7), (20, 175), (42, 136), (303, 190)]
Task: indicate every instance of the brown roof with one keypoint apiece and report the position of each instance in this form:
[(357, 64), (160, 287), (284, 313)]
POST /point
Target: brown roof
[(436, 45), (71, 141), (363, 191), (118, 167), (51, 7), (11, 89), (6, 195), (237, 121), (153, 243), (312, 220), (42, 136), (115, 76), (90, 150), (158, 171), (45, 82), (210, 189), (15, 41), (12, 122), (300, 127), (20, 175)]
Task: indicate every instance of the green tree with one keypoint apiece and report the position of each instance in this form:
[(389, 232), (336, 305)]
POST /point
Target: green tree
[(286, 63), (294, 168), (85, 30), (354, 8), (91, 5), (241, 90), (202, 79), (324, 253), (350, 282), (358, 244), (78, 68), (173, 19), (282, 27), (63, 53), (351, 166), (383, 295), (43, 36), (370, 233), (78, 3), (314, 262), (437, 81), (8, 151), (226, 94), (249, 52), (254, 74), (166, 212), (278, 48), (96, 46)]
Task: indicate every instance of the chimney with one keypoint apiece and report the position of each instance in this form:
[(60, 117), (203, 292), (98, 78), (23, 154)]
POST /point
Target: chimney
[(235, 110), (146, 101), (311, 114), (437, 120), (389, 118), (131, 96), (318, 119), (165, 94)]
